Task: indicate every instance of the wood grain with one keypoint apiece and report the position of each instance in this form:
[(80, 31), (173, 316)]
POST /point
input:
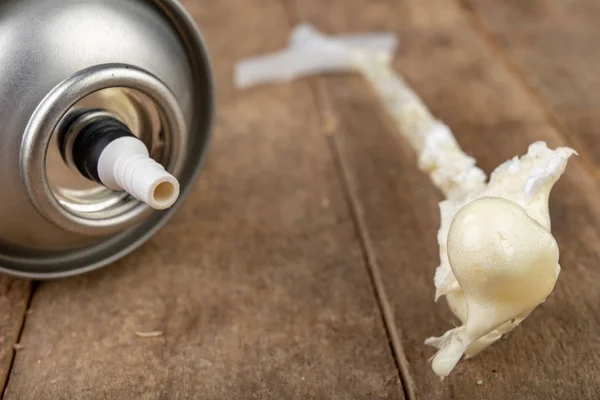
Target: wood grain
[(14, 298), (257, 286), (550, 44), (554, 354)]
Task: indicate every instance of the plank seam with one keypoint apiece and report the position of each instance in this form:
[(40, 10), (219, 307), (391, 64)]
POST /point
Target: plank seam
[(20, 333), (369, 254), (384, 305), (373, 271)]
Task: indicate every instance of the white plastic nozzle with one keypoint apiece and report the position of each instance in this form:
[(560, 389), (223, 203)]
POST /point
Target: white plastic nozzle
[(125, 164)]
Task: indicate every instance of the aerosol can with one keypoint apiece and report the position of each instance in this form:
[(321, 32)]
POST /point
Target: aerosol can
[(105, 116)]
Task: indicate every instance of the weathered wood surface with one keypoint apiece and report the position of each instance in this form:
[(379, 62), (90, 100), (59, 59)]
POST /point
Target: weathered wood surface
[(258, 285), (556, 352), (551, 46), (14, 298)]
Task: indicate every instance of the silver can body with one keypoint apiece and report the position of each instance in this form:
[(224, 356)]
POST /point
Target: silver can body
[(144, 62)]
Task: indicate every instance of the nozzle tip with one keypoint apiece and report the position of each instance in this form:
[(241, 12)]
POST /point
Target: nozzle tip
[(164, 194), (125, 165)]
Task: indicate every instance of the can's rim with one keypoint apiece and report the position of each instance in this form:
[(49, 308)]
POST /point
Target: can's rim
[(122, 244), (52, 110)]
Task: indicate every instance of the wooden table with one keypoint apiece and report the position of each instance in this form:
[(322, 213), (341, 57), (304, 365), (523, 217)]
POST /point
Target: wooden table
[(301, 265)]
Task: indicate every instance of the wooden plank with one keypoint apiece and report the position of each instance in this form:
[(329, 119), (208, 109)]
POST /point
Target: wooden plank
[(258, 285), (338, 15), (554, 354), (551, 46), (14, 299)]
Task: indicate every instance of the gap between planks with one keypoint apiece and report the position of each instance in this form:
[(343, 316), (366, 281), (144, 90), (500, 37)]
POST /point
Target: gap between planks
[(480, 29), (384, 305), (32, 288)]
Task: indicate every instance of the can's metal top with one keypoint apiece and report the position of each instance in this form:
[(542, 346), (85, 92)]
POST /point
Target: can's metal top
[(143, 61)]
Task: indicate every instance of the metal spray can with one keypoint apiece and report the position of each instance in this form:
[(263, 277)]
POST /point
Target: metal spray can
[(105, 114)]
